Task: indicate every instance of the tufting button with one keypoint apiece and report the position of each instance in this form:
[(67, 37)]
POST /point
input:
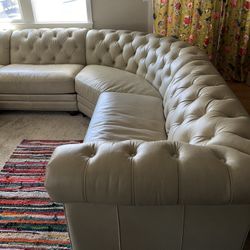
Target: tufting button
[(175, 155), (133, 153), (92, 155), (92, 152), (223, 160)]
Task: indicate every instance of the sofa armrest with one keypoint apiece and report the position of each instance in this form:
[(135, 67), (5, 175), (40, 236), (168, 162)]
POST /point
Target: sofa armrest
[(148, 173)]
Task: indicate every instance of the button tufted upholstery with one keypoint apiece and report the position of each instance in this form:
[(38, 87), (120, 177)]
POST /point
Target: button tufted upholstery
[(149, 173), (154, 58), (201, 109), (42, 62), (48, 46), (202, 169), (5, 47), (166, 159), (198, 106)]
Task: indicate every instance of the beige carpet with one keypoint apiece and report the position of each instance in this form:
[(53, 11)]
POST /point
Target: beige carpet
[(16, 126)]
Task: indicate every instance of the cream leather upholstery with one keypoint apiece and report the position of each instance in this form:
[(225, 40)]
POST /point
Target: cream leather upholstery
[(155, 59), (56, 102), (157, 227), (152, 195), (120, 117), (5, 47), (197, 176), (166, 159), (38, 79), (149, 173), (95, 79), (201, 109), (43, 62), (48, 46)]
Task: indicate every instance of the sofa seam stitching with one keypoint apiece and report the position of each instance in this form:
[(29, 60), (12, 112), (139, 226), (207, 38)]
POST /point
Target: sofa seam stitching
[(179, 180), (118, 227), (179, 188), (132, 183), (183, 226), (84, 194), (230, 183)]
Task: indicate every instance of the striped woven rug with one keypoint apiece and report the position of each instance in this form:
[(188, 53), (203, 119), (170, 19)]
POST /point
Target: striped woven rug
[(28, 218)]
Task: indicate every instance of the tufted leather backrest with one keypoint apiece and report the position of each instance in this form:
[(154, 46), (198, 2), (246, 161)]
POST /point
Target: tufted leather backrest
[(113, 48), (154, 58), (5, 47), (201, 109), (48, 46), (198, 105)]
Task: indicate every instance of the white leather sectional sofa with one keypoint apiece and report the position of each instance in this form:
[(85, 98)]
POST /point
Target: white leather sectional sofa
[(165, 164), (39, 68)]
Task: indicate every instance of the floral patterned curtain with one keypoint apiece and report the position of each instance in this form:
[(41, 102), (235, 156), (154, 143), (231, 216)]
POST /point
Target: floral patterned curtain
[(220, 27)]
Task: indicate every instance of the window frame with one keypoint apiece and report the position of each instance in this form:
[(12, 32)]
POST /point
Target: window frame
[(28, 19)]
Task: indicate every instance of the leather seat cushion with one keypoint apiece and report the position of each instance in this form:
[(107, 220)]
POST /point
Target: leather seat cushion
[(95, 79), (120, 116), (38, 79)]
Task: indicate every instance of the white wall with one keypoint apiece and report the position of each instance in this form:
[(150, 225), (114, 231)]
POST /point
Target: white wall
[(120, 14), (110, 14)]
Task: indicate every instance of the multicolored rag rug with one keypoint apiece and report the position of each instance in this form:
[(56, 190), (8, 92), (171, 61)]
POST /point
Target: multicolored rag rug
[(28, 218)]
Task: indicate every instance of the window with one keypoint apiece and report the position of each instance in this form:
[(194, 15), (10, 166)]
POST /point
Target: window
[(38, 12), (47, 11), (9, 10)]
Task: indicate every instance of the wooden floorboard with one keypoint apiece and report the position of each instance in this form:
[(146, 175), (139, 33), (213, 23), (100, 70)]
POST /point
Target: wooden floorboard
[(242, 91)]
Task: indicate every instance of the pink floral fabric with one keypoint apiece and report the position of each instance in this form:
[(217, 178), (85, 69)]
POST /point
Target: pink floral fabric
[(221, 28)]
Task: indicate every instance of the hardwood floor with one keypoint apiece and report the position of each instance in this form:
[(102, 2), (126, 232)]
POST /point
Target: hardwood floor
[(242, 91)]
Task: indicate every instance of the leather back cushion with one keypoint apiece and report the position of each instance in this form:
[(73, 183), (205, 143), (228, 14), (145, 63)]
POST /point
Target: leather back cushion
[(5, 47), (201, 109), (154, 58), (198, 106), (48, 46)]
